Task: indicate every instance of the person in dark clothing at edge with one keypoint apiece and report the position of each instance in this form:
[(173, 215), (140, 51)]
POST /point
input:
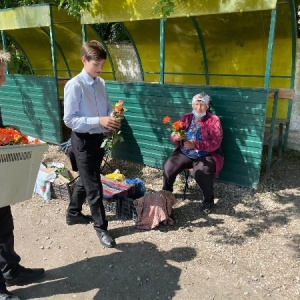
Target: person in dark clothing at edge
[(12, 273), (199, 150), (88, 112)]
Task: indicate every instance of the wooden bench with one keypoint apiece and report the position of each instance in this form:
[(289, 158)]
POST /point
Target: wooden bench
[(280, 124)]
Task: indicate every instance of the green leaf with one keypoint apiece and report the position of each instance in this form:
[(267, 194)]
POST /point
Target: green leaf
[(104, 143)]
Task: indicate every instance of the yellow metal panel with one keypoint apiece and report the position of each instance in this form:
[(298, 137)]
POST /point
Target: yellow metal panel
[(68, 37), (25, 17), (236, 45), (145, 35), (67, 33), (36, 45), (35, 42), (227, 47), (106, 11), (183, 52), (282, 50)]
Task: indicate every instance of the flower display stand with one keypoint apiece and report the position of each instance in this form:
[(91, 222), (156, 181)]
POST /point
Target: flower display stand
[(19, 165)]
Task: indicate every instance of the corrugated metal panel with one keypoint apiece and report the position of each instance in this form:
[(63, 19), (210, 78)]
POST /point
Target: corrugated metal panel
[(227, 49), (241, 110), (31, 103), (233, 58), (34, 41), (105, 11), (25, 17)]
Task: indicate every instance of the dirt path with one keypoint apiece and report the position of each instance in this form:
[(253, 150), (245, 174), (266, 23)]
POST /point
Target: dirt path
[(248, 249)]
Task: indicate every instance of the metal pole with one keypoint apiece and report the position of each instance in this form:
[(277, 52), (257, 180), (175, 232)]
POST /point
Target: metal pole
[(272, 130), (293, 70), (270, 48), (162, 52), (4, 45), (201, 40), (52, 42), (84, 34)]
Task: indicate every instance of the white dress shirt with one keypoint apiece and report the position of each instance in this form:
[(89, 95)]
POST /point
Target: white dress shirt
[(85, 100)]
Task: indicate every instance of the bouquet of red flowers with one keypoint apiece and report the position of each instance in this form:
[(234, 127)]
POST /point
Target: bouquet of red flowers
[(10, 136), (177, 127)]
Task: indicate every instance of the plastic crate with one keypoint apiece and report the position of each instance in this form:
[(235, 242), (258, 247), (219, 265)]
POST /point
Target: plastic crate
[(127, 209), (122, 207), (63, 191), (19, 166), (110, 205)]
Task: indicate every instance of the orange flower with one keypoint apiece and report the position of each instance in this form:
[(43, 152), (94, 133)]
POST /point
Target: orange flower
[(119, 106), (178, 125), (5, 139), (9, 136), (36, 141), (115, 136), (166, 119), (24, 140)]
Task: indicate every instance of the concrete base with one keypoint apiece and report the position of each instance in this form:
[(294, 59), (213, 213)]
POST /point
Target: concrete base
[(294, 140)]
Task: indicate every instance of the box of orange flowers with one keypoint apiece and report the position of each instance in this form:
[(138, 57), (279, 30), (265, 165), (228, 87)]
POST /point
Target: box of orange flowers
[(20, 159)]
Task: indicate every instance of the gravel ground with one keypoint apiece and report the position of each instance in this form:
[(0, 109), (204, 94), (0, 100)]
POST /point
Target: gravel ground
[(249, 248)]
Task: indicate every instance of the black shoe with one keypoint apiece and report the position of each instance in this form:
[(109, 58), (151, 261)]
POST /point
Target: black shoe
[(26, 276), (207, 207), (80, 219), (6, 295), (106, 240)]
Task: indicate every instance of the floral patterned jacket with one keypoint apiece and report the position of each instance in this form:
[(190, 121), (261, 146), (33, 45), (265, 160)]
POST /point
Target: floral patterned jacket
[(212, 135)]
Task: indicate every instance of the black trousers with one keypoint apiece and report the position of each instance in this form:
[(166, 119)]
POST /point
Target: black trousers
[(89, 154), (9, 259), (203, 171)]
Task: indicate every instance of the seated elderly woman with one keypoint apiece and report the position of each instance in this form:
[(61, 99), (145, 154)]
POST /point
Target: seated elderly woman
[(199, 150)]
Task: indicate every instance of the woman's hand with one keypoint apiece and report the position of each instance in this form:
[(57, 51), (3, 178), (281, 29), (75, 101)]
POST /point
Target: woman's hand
[(189, 144), (178, 137), (110, 123)]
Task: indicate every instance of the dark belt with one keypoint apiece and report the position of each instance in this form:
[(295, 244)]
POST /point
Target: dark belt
[(89, 135)]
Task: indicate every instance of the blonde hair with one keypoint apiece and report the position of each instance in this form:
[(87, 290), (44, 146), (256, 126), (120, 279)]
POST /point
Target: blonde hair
[(4, 57)]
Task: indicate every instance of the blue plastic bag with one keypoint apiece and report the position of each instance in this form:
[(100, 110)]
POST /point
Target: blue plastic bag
[(140, 188)]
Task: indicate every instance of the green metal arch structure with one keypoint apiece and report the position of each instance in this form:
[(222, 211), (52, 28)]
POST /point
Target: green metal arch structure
[(241, 52), (3, 36), (135, 50)]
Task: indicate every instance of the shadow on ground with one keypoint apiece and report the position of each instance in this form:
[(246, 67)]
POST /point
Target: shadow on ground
[(126, 274)]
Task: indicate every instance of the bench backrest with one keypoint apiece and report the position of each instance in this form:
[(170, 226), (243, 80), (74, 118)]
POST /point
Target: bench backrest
[(242, 112)]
